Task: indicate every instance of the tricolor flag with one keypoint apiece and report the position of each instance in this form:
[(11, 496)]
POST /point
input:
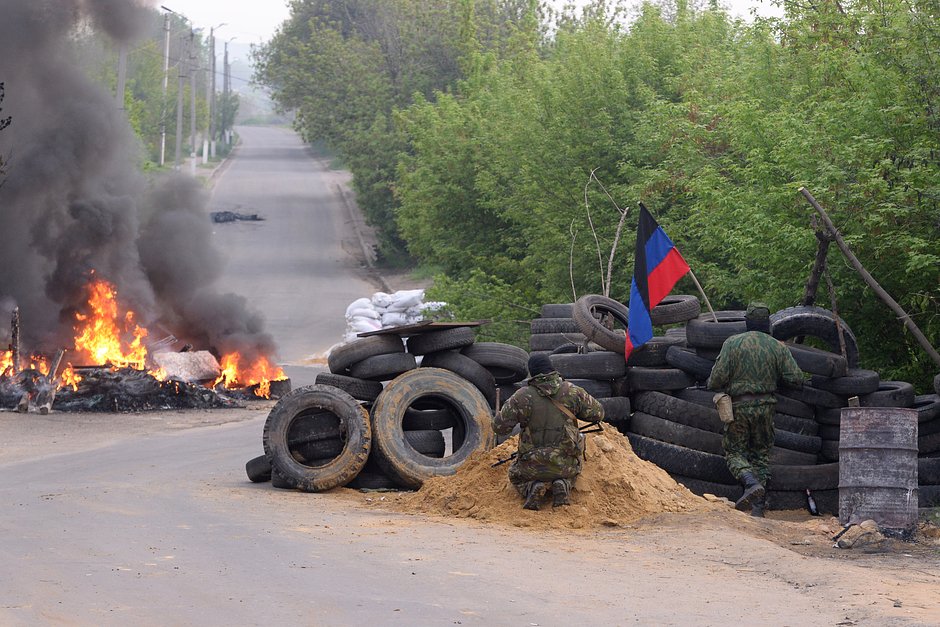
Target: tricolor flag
[(657, 267)]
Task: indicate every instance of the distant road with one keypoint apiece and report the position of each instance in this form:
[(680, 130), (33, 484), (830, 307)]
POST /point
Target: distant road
[(301, 266)]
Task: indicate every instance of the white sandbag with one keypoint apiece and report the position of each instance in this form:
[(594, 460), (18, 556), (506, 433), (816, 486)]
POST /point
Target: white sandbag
[(363, 312), (360, 303), (364, 325), (403, 299), (394, 319), (431, 305), (381, 300)]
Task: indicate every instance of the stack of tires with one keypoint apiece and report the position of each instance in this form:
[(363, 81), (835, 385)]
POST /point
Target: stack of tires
[(379, 420), (928, 445), (679, 429)]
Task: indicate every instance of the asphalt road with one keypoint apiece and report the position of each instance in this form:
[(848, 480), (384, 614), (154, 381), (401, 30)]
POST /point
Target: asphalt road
[(302, 265), (164, 529)]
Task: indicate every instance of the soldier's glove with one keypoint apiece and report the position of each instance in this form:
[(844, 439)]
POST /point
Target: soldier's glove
[(723, 405)]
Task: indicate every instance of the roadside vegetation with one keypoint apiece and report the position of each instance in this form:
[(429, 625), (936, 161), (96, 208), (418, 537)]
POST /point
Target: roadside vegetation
[(500, 140), (144, 102)]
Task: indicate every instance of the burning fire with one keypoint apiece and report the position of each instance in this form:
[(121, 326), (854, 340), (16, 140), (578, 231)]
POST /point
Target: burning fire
[(101, 339), (36, 362), (69, 378), (107, 334), (236, 373)]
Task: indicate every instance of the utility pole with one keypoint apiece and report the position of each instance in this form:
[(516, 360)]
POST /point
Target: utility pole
[(166, 75), (209, 144), (179, 109), (226, 90), (121, 77), (192, 101), (212, 106)]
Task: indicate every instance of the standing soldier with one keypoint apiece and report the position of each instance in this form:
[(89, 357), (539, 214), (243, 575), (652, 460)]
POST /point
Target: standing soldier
[(747, 369), (550, 444)]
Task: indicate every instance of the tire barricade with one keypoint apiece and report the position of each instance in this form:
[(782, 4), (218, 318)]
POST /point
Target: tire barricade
[(379, 420), (673, 422), (657, 398)]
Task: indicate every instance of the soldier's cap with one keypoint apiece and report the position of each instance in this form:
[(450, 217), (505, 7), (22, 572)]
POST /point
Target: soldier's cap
[(757, 311), (540, 364)]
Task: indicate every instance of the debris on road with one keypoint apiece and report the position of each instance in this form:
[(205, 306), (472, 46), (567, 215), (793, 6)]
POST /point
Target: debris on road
[(220, 217)]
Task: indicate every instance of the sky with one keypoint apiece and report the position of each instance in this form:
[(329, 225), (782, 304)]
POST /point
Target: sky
[(254, 21)]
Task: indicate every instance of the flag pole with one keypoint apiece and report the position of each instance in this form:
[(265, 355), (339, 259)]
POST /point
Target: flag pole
[(702, 292)]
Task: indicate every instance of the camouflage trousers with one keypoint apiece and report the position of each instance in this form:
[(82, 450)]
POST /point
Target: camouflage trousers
[(748, 440), (544, 464)]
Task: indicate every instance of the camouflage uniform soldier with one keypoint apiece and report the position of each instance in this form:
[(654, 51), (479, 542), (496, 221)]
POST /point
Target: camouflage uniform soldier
[(550, 445), (748, 368)]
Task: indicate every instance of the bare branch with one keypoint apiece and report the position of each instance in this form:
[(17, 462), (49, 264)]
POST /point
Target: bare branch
[(574, 235), (613, 248), (587, 208)]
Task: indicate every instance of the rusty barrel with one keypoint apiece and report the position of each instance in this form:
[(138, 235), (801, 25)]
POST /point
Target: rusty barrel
[(878, 467)]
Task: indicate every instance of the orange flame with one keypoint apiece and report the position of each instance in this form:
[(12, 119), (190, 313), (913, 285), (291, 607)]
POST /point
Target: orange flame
[(101, 339), (6, 361), (40, 363), (69, 378), (236, 373)]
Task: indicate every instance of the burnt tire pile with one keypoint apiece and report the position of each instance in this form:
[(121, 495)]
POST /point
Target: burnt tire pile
[(378, 420), (672, 421)]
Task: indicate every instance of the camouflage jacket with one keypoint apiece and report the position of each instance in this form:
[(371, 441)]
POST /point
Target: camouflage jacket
[(549, 444), (753, 363)]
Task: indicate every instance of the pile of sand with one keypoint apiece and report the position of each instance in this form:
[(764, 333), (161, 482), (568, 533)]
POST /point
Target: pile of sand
[(615, 488)]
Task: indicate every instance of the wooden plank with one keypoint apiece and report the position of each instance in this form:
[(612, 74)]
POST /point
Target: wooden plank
[(425, 326)]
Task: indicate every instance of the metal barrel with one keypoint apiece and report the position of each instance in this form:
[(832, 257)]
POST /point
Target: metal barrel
[(878, 467)]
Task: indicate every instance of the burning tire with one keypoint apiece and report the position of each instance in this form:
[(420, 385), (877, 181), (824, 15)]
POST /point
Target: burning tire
[(396, 456), (353, 423)]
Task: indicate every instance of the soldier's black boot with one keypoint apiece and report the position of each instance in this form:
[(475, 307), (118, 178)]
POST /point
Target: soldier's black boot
[(757, 506), (534, 493), (753, 491), (561, 492)]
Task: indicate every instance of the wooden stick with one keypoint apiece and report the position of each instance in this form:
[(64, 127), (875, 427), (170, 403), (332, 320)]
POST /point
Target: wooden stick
[(15, 339), (835, 312), (819, 265), (702, 292), (867, 277)]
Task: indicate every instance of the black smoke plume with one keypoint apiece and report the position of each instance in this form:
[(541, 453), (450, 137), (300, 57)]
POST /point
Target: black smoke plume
[(74, 204)]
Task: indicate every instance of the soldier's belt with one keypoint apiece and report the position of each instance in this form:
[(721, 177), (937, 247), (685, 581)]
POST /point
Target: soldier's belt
[(751, 397)]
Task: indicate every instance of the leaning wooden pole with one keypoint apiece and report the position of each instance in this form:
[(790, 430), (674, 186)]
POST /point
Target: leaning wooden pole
[(867, 277), (15, 339), (702, 292)]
